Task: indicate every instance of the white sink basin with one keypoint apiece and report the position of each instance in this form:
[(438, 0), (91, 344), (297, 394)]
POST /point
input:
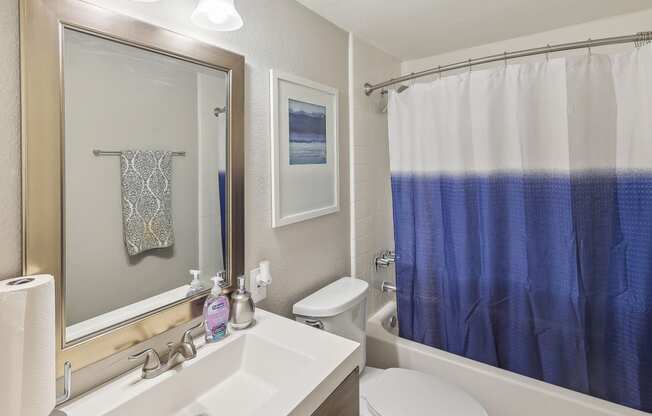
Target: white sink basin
[(245, 374), (278, 367)]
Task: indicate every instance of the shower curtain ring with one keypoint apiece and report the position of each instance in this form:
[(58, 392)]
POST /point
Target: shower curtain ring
[(643, 38), (470, 65), (589, 46), (439, 71), (548, 53), (505, 58)]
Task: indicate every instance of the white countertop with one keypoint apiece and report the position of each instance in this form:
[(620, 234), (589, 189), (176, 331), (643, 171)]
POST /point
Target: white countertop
[(277, 367)]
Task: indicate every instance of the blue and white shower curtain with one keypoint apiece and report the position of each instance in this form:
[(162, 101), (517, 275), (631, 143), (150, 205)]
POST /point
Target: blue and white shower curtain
[(523, 219)]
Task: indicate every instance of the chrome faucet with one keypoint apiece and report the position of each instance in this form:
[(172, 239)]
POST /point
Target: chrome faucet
[(178, 352), (384, 259)]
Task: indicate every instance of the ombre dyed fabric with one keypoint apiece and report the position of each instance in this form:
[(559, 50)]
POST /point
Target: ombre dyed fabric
[(523, 220)]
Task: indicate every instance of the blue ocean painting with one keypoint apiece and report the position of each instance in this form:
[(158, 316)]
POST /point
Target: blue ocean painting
[(307, 133)]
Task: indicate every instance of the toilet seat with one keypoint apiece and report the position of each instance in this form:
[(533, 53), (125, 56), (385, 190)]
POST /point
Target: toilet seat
[(401, 392)]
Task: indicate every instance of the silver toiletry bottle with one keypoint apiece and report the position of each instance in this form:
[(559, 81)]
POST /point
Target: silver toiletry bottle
[(242, 307)]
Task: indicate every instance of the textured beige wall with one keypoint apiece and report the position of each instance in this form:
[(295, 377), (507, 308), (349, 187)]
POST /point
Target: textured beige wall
[(10, 206), (278, 34)]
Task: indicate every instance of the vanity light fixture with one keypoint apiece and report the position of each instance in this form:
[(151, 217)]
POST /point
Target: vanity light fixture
[(217, 15)]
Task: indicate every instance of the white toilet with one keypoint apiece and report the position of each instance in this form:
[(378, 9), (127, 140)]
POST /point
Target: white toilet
[(341, 308)]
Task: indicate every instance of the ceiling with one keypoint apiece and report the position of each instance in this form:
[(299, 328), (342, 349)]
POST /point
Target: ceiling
[(410, 29)]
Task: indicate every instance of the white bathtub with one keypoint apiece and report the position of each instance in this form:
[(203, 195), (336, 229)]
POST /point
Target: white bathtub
[(501, 392)]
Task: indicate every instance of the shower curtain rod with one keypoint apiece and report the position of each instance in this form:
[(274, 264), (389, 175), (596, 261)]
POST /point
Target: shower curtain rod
[(638, 39)]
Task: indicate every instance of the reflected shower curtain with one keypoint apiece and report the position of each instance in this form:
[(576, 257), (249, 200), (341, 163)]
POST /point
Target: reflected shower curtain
[(523, 220)]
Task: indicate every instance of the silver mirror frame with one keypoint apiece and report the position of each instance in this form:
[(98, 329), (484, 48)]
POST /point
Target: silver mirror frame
[(42, 26)]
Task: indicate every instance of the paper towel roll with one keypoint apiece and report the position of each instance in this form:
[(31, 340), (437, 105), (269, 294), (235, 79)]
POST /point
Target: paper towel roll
[(27, 314)]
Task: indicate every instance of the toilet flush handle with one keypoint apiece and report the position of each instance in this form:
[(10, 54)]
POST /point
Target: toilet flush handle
[(315, 323)]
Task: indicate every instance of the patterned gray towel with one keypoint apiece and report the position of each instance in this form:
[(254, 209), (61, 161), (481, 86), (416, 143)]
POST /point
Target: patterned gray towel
[(146, 199)]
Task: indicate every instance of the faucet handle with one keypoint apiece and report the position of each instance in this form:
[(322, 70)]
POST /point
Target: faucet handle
[(152, 359), (187, 337)]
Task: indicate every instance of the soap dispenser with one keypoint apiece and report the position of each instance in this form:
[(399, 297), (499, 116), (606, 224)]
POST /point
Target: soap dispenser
[(196, 285), (242, 307), (216, 311)]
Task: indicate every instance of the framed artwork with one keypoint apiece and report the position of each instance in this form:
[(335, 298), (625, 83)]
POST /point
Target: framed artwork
[(305, 165)]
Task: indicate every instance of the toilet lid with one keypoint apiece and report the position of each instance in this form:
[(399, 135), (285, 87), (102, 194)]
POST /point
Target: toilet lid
[(401, 392)]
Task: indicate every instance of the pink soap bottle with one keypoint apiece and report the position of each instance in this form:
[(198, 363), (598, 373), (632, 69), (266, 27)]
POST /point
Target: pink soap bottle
[(216, 311)]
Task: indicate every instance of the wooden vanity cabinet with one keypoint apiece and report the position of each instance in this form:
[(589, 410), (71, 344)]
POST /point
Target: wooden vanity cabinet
[(344, 400)]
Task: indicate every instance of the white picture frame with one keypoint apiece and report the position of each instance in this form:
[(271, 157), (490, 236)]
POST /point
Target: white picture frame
[(305, 149)]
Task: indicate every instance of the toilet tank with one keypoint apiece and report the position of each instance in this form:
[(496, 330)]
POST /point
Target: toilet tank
[(339, 308)]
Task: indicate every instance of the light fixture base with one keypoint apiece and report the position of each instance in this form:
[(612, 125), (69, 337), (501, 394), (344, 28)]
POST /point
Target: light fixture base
[(217, 15)]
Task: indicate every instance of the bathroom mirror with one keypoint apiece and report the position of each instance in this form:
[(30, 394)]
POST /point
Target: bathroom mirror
[(133, 165), (144, 168)]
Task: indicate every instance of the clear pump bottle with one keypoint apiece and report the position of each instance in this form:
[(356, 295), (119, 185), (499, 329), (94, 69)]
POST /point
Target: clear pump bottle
[(216, 311)]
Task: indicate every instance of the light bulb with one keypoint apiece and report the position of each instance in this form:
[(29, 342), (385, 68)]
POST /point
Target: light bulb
[(218, 15)]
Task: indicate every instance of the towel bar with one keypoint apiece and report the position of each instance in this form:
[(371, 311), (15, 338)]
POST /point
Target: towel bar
[(97, 152)]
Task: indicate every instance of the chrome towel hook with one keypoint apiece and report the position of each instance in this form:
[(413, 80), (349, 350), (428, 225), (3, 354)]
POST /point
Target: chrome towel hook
[(67, 384)]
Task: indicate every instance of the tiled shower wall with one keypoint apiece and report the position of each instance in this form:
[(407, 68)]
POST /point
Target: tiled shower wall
[(371, 205)]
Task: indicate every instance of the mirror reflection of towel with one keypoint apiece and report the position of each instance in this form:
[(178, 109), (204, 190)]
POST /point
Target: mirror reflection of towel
[(146, 199)]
